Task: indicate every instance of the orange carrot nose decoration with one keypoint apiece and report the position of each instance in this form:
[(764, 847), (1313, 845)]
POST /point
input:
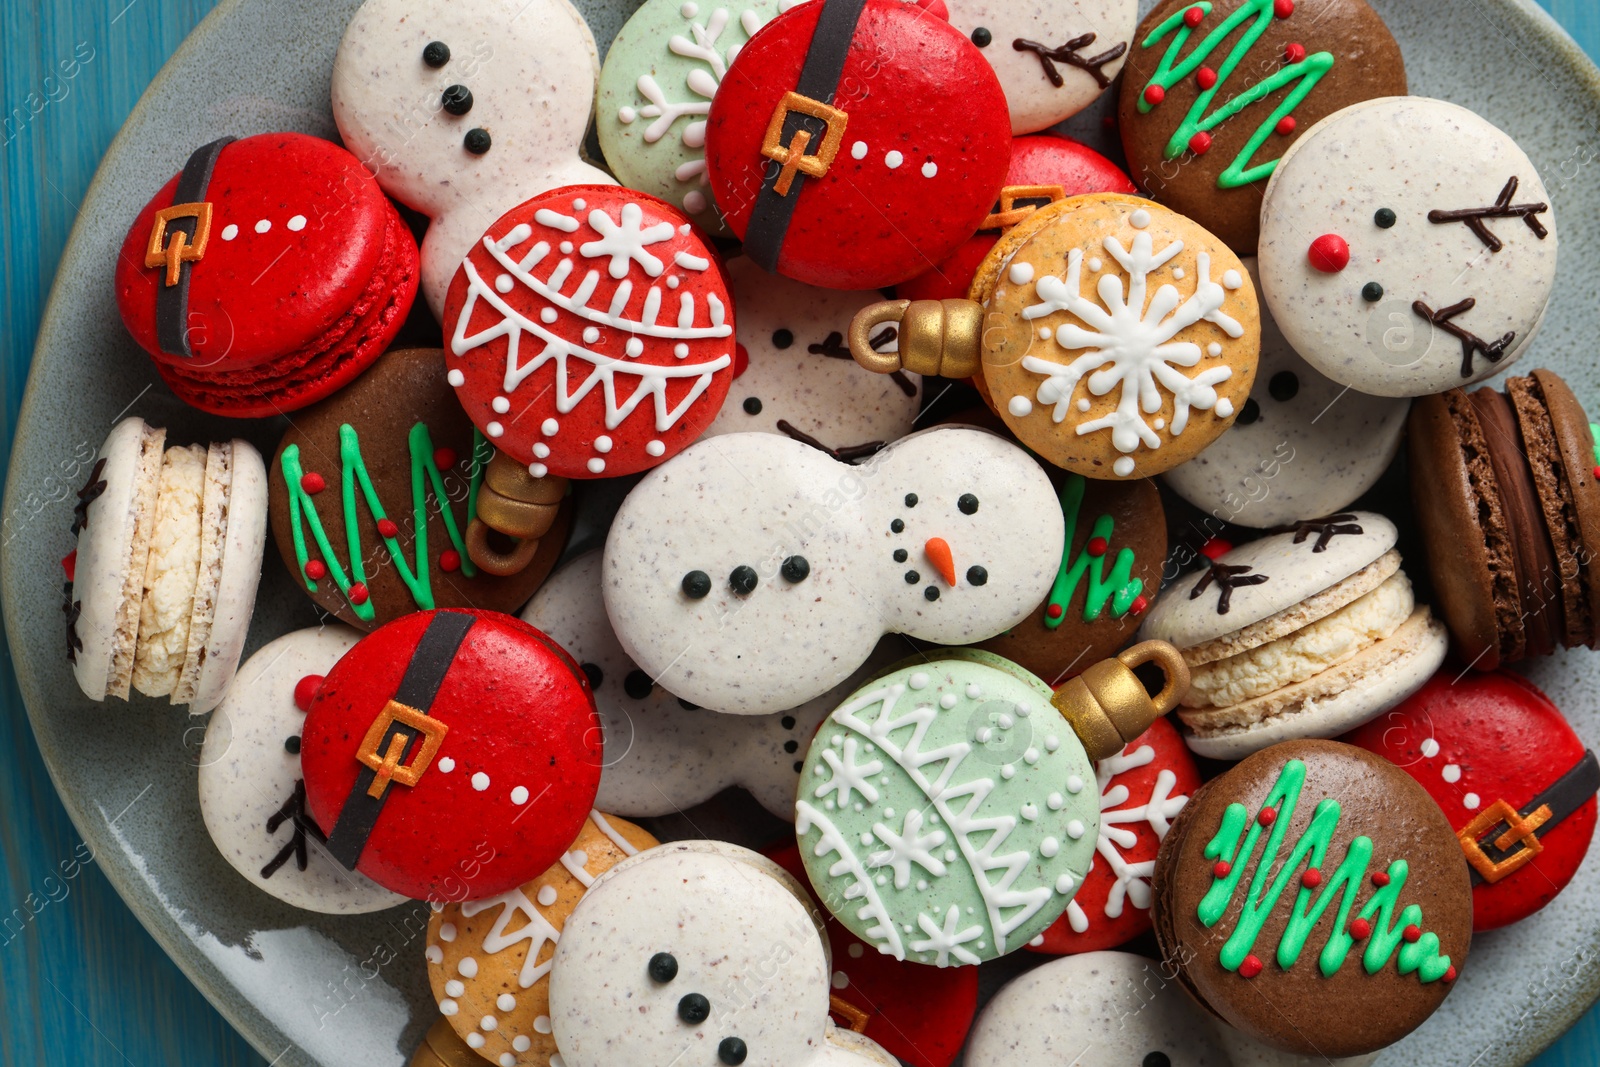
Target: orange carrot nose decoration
[(938, 551)]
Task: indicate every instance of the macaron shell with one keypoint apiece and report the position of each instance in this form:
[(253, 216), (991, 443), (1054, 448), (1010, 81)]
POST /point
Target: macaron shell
[(1295, 573), (1485, 737), (1578, 460), (1365, 62), (232, 601), (1302, 444), (1079, 400), (923, 157), (251, 794), (1385, 348)]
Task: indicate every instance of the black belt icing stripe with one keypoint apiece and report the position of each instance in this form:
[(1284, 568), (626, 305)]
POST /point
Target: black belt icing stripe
[(172, 301), (819, 80), (1564, 796), (424, 675)]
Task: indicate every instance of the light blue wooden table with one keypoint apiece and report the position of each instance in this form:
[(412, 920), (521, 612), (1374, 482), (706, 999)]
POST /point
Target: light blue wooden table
[(81, 983)]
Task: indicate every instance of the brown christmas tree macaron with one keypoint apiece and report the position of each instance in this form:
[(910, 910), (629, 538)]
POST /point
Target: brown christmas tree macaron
[(1315, 898), (374, 493)]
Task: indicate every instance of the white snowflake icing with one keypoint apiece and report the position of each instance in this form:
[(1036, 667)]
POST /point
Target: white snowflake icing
[(1130, 880), (946, 941), (1131, 341), (626, 241), (908, 847), (849, 774)]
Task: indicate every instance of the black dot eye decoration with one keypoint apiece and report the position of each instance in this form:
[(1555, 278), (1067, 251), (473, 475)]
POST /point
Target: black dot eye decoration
[(663, 967), (291, 745), (743, 580), (593, 672), (477, 141), (732, 1051), (457, 100), (782, 339), (436, 54), (911, 500), (901, 555), (982, 37), (968, 504), (912, 577), (796, 569), (977, 576), (931, 593), (696, 584), (694, 1009), (752, 405), (637, 684), (1385, 218), (1283, 386), (1372, 292), (898, 526)]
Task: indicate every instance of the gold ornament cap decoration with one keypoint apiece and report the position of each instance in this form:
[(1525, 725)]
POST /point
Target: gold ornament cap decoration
[(1107, 705), (517, 505)]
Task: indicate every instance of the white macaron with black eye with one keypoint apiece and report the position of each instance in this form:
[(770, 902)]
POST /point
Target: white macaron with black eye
[(162, 584)]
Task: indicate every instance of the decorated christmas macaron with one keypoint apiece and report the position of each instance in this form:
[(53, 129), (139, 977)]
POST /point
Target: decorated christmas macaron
[(920, 1015), (1215, 93), (1301, 445), (793, 374), (1513, 779), (1314, 897), (662, 71), (1427, 276), (463, 111), (1142, 789), (1110, 573), (161, 583), (590, 333), (489, 959), (872, 118), (1508, 504), (698, 945), (1044, 168), (375, 493), (753, 573), (1308, 632), (252, 793), (431, 742), (271, 271)]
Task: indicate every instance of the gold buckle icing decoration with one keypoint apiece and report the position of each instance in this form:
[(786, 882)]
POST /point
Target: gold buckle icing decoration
[(388, 765), (793, 156), (1520, 828), (180, 250)]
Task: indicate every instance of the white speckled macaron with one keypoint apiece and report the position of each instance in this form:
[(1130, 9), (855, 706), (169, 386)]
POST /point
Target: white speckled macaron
[(1408, 246), (251, 794), (1308, 632)]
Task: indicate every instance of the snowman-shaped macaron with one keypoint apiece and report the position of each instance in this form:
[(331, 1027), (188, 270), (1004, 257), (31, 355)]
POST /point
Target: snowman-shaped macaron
[(1408, 247), (463, 111)]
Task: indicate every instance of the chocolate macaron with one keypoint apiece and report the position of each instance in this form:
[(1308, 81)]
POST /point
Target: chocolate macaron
[(1509, 508), (1315, 898)]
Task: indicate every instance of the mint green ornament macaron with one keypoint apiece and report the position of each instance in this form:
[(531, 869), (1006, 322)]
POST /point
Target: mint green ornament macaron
[(656, 88), (947, 811)]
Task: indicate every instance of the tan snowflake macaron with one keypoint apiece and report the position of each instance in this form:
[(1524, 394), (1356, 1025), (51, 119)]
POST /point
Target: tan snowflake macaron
[(489, 960), (1119, 338)]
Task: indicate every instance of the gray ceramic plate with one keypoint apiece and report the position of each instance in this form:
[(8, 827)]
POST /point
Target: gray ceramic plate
[(307, 989)]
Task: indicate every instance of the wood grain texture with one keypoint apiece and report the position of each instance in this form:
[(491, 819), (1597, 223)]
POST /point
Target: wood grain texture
[(80, 981)]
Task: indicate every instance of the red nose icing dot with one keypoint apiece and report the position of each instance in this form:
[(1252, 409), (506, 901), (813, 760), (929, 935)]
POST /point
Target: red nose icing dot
[(449, 561), (312, 482), (444, 458), (1205, 77), (1154, 95), (1329, 253), (1294, 52), (1200, 143), (387, 528), (1194, 17), (305, 689), (1250, 967)]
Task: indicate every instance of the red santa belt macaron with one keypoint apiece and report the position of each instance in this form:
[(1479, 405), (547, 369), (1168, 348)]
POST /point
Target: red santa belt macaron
[(1502, 839)]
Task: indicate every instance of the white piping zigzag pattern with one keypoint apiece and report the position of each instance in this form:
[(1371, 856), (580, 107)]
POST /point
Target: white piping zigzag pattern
[(861, 887)]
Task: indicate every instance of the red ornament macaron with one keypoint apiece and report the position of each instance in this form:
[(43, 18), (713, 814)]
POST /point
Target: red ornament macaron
[(267, 274), (1044, 168), (1516, 783), (854, 142), (919, 1014), (590, 333), (451, 755)]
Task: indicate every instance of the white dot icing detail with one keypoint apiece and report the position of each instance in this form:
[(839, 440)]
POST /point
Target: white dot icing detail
[(591, 334), (1160, 424), (494, 429), (297, 223), (1213, 349), (1232, 280), (507, 1060), (456, 378), (1075, 829), (1064, 884), (855, 950), (548, 316), (840, 979), (538, 470), (541, 1025), (506, 1002), (468, 967), (1083, 403), (930, 169), (480, 781), (1430, 748), (1045, 334), (602, 443), (229, 232), (1007, 771), (475, 1040), (448, 1007), (859, 150), (504, 283), (596, 465), (918, 680), (1177, 272), (634, 348), (947, 701), (547, 895), (1471, 801), (447, 932), (435, 954), (1021, 273), (488, 1022), (264, 225), (1124, 466), (1055, 801), (1451, 773), (655, 448), (893, 160), (1139, 219), (1049, 847), (579, 204), (541, 450), (1224, 408), (549, 427), (1096, 264), (1074, 785), (566, 248), (973, 692), (446, 765), (680, 351), (519, 795), (454, 987), (500, 404), (1051, 742)]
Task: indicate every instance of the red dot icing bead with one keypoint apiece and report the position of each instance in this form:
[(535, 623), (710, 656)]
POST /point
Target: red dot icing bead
[(387, 528), (1222, 869), (1412, 932), (444, 458), (316, 570), (69, 565), (1097, 546), (1194, 17), (449, 561), (305, 689), (1054, 611), (1450, 974), (1286, 125), (1154, 94), (1360, 929), (358, 593), (1311, 878), (741, 360), (1283, 8), (1597, 473), (1250, 967), (1200, 143), (1267, 817), (1380, 879), (1295, 52), (312, 482), (1216, 548), (1138, 606), (1205, 77), (1329, 253)]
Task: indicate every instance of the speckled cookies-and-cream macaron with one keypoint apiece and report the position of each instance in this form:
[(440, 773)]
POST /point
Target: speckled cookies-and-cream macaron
[(161, 584), (252, 792), (1308, 632), (1426, 277), (1301, 445), (1138, 377)]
